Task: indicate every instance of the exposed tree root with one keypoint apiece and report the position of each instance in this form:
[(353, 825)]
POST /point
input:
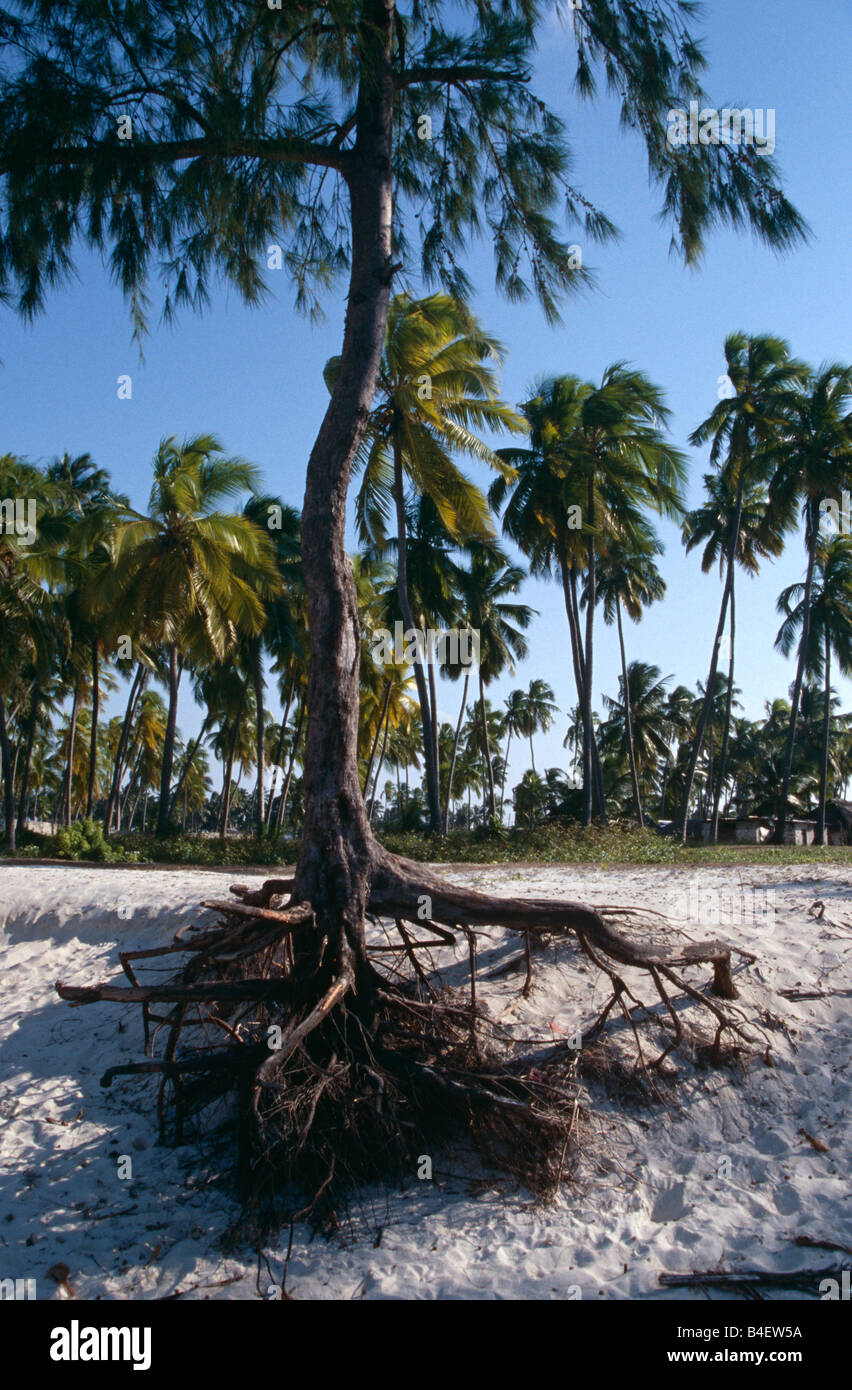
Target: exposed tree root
[(347, 1065)]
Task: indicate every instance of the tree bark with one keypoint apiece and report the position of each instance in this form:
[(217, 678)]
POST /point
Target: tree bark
[(628, 718), (813, 535)]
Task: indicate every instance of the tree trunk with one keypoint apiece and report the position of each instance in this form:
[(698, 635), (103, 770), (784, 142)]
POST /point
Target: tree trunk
[(813, 536), (8, 779), (695, 753), (135, 691), (72, 738), (426, 717), (285, 790), (486, 749), (826, 737), (381, 724), (379, 768), (169, 742), (229, 766), (280, 751), (32, 724), (454, 753), (93, 741), (628, 718), (189, 759), (505, 770), (726, 734), (588, 672), (257, 672)]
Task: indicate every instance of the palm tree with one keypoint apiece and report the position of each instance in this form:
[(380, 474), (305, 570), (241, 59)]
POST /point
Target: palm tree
[(194, 577), (539, 712), (813, 466), (829, 629), (514, 722), (639, 715), (436, 390), (729, 506), (486, 588), (745, 430), (629, 579), (598, 458)]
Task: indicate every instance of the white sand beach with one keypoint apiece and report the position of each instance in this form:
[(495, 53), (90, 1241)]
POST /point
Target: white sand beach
[(733, 1166)]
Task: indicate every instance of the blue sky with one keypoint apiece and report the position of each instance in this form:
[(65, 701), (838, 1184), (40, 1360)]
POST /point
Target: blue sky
[(254, 376)]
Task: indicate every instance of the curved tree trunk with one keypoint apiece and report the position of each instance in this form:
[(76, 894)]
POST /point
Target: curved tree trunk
[(813, 535), (379, 770), (826, 737), (628, 718), (723, 754), (169, 741), (588, 672), (285, 790), (189, 759), (337, 845), (451, 773), (93, 741)]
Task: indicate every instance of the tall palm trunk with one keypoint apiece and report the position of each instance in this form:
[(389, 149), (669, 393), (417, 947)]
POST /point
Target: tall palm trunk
[(695, 753), (32, 724), (8, 779), (569, 592), (189, 759), (93, 741), (826, 736), (454, 753), (813, 536), (382, 718), (505, 769), (279, 752), (380, 766), (726, 733), (72, 738), (588, 674), (486, 748), (429, 759), (169, 741), (257, 673), (137, 684), (285, 790), (229, 766), (628, 718)]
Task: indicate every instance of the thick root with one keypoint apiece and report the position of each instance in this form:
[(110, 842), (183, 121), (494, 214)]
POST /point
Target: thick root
[(347, 1067)]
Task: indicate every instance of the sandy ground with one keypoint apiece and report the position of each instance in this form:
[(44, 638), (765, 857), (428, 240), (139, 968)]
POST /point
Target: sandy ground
[(720, 1175)]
